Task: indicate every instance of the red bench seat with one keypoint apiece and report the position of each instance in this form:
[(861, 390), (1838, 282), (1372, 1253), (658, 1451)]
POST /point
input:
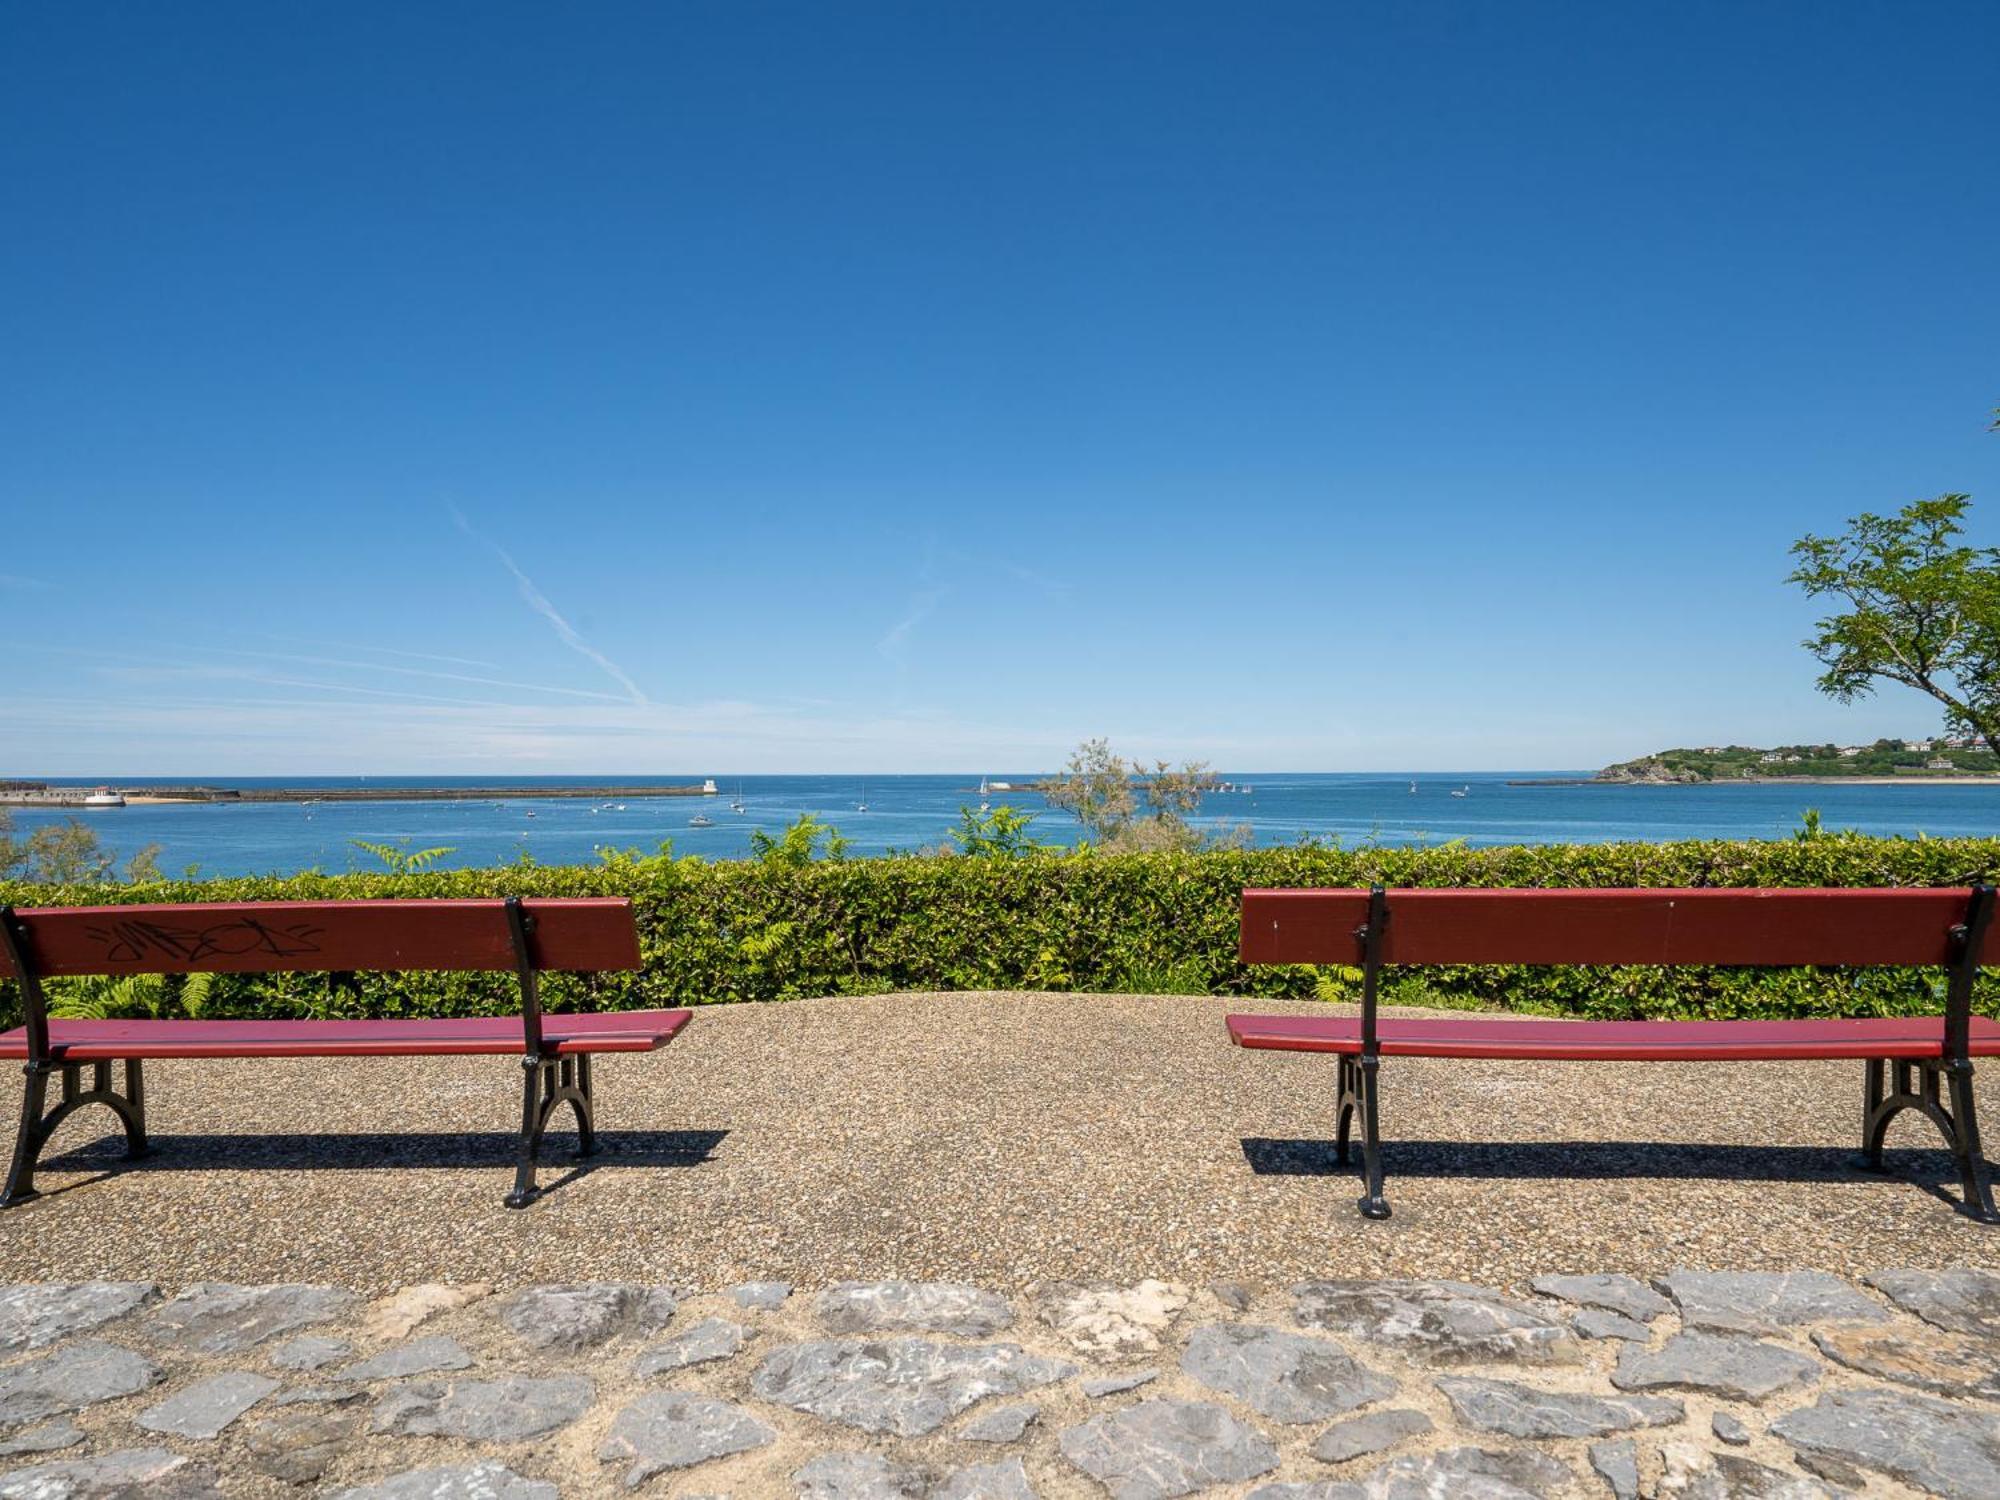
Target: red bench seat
[(1615, 1041), (529, 936), (91, 1041), (1921, 1063)]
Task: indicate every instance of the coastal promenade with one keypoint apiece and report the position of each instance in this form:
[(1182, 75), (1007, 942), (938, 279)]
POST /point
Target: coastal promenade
[(1155, 1283)]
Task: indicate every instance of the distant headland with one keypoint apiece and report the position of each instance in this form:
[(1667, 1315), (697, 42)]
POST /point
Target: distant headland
[(1957, 759)]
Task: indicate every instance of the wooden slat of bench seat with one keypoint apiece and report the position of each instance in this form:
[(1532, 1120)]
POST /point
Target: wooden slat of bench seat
[(90, 1041), (589, 934), (1752, 927), (1614, 1041)]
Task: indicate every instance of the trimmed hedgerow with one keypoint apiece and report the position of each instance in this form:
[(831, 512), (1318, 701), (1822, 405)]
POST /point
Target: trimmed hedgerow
[(1136, 923)]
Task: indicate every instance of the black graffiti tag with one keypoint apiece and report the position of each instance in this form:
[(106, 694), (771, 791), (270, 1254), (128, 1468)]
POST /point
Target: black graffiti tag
[(134, 941)]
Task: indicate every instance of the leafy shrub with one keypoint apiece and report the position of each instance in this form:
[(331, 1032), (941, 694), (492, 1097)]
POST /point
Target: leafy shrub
[(789, 925)]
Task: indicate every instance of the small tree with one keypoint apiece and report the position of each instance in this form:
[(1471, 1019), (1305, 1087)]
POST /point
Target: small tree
[(999, 834), (799, 844), (1126, 807), (1924, 611)]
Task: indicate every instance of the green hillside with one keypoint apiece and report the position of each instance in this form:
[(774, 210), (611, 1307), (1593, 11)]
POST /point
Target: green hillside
[(1934, 757)]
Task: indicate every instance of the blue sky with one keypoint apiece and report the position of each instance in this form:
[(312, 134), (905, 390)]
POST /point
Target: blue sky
[(711, 387)]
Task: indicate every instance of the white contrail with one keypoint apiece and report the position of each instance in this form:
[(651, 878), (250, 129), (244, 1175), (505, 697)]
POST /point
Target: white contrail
[(539, 603), (896, 639)]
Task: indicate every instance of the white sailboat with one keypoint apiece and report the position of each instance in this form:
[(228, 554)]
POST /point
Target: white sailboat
[(739, 805)]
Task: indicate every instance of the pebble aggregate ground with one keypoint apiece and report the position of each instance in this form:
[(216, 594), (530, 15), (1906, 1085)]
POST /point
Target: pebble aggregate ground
[(999, 1245)]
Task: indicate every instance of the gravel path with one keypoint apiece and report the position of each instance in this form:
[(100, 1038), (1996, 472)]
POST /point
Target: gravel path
[(990, 1138)]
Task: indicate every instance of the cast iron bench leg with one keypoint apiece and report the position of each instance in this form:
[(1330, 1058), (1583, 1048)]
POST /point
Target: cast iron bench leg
[(1977, 1187), (39, 1122), (548, 1083), (1373, 1205), (1349, 1102), (1919, 1086)]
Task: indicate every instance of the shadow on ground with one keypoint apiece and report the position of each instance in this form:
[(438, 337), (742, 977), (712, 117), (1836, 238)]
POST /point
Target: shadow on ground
[(1272, 1157), (373, 1151)]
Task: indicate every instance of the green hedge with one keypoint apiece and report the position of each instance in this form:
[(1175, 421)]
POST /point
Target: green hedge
[(1139, 923)]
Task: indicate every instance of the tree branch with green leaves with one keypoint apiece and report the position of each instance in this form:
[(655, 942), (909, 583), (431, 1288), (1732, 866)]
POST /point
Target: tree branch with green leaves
[(1923, 610)]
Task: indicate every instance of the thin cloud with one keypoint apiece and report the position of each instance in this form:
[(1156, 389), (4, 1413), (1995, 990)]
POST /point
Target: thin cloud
[(539, 603), (895, 641), (21, 581), (456, 661)]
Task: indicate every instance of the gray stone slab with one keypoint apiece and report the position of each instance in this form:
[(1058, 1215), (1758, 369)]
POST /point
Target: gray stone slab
[(318, 1395), (1001, 1424), (127, 1474), (1728, 1429), (1619, 1294), (201, 1411), (1692, 1473), (508, 1410), (1740, 1369), (663, 1430), (905, 1386), (1117, 1385), (913, 1306), (71, 1377), (1948, 1365), (34, 1315), (1469, 1473), (481, 1481), (309, 1351), (1159, 1449), (300, 1444), (859, 1476), (1516, 1410), (1373, 1432), (1596, 1323), (1956, 1301), (1616, 1461), (1309, 1489), (760, 1294), (1005, 1480), (1942, 1447), (50, 1437), (1442, 1322), (711, 1339), (426, 1356), (582, 1315), (220, 1318), (1767, 1301), (1286, 1376)]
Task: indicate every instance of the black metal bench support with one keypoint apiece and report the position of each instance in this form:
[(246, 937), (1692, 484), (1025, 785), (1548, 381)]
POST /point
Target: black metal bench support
[(1359, 1091), (40, 1120), (1923, 1084), (547, 1082)]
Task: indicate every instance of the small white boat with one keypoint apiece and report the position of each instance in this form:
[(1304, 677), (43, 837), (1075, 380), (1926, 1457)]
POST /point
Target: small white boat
[(1413, 789), (104, 797), (529, 814), (1464, 791), (984, 805), (701, 820), (983, 789)]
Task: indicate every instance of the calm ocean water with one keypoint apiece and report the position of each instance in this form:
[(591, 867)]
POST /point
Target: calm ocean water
[(910, 812)]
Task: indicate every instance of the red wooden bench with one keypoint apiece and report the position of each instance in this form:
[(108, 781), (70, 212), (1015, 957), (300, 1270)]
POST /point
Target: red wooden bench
[(339, 937), (1929, 1056)]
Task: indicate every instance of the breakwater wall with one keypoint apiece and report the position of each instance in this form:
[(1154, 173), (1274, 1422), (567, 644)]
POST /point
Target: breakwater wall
[(68, 796)]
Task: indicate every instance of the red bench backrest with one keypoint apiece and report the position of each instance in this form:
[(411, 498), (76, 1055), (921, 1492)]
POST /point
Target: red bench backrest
[(262, 937), (1708, 926)]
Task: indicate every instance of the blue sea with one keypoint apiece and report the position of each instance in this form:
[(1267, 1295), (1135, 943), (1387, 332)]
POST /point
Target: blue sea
[(914, 812)]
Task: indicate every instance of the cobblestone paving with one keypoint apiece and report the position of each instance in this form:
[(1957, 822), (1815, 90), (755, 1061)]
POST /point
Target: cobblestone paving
[(1699, 1385)]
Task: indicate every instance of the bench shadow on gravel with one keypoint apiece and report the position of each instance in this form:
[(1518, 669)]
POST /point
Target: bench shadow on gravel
[(1557, 1160), (483, 1150)]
